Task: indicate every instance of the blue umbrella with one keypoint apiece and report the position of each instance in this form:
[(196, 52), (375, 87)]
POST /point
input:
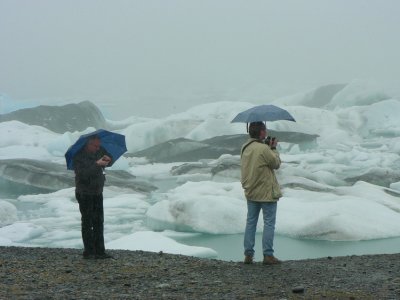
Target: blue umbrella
[(262, 113), (112, 142)]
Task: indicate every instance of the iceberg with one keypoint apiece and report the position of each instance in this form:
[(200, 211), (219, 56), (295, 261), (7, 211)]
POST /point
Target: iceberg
[(206, 206), (359, 212)]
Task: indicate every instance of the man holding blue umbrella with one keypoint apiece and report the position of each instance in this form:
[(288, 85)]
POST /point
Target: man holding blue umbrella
[(88, 157)]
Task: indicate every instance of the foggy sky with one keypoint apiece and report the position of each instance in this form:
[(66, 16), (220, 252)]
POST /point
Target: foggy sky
[(153, 58)]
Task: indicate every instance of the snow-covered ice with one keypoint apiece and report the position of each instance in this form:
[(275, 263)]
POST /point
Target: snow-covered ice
[(157, 242)]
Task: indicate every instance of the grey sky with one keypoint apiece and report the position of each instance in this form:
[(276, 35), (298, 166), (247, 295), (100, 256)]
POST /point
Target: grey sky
[(156, 57)]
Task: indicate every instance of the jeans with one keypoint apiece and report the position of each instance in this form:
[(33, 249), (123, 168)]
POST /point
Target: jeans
[(269, 215), (91, 208)]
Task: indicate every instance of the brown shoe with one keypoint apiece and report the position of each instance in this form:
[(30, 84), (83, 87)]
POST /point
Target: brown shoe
[(271, 260), (248, 259)]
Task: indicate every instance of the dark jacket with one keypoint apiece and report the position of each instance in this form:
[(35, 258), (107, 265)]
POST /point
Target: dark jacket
[(89, 177)]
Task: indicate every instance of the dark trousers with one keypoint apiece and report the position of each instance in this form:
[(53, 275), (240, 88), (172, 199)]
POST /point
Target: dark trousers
[(91, 208)]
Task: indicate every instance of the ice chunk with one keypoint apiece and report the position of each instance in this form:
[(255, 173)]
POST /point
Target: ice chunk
[(20, 232), (206, 206), (8, 213), (360, 212), (156, 242)]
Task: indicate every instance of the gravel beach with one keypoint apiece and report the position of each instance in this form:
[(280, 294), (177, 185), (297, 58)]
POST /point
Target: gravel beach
[(49, 273)]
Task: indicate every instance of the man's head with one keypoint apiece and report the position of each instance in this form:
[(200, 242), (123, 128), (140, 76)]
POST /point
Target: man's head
[(93, 144), (257, 130)]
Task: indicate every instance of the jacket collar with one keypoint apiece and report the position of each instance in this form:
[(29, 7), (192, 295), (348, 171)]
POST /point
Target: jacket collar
[(251, 140)]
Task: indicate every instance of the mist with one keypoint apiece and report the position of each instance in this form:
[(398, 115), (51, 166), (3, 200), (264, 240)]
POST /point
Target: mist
[(154, 58)]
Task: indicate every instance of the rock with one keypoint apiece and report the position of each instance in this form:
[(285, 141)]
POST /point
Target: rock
[(298, 290), (70, 117), (163, 285)]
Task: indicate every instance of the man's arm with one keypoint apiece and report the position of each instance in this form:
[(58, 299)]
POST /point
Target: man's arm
[(85, 166), (272, 158), (107, 157)]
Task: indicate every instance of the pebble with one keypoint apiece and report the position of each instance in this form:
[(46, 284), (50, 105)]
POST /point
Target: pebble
[(145, 275), (162, 285), (298, 290)]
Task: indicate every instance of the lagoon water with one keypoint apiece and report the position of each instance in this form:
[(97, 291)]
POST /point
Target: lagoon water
[(230, 247), (341, 195)]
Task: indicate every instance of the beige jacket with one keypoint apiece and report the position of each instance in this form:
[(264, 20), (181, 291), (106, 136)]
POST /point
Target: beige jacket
[(258, 179)]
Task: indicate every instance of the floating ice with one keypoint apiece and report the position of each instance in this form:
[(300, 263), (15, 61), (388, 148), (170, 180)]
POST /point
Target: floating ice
[(206, 206), (5, 242), (342, 213), (20, 232), (156, 242), (395, 186), (8, 213), (60, 219), (359, 212)]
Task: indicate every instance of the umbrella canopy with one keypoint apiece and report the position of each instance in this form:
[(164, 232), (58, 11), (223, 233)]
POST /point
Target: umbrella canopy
[(262, 113), (112, 142)]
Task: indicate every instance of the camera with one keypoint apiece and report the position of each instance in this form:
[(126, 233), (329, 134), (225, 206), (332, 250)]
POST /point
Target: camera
[(269, 140)]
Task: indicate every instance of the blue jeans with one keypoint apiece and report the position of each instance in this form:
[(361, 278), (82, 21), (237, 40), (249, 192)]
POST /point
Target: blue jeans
[(269, 215)]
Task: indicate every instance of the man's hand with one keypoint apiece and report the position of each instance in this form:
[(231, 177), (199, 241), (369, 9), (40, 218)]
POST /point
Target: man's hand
[(104, 161), (274, 143), (106, 158)]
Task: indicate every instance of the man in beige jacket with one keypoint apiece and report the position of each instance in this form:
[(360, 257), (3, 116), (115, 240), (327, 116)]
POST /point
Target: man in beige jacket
[(262, 191)]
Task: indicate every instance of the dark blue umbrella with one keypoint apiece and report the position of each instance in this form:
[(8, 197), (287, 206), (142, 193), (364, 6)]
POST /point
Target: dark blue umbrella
[(112, 142), (262, 113)]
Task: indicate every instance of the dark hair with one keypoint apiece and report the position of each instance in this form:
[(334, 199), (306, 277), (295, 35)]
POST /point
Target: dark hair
[(91, 138), (255, 129)]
